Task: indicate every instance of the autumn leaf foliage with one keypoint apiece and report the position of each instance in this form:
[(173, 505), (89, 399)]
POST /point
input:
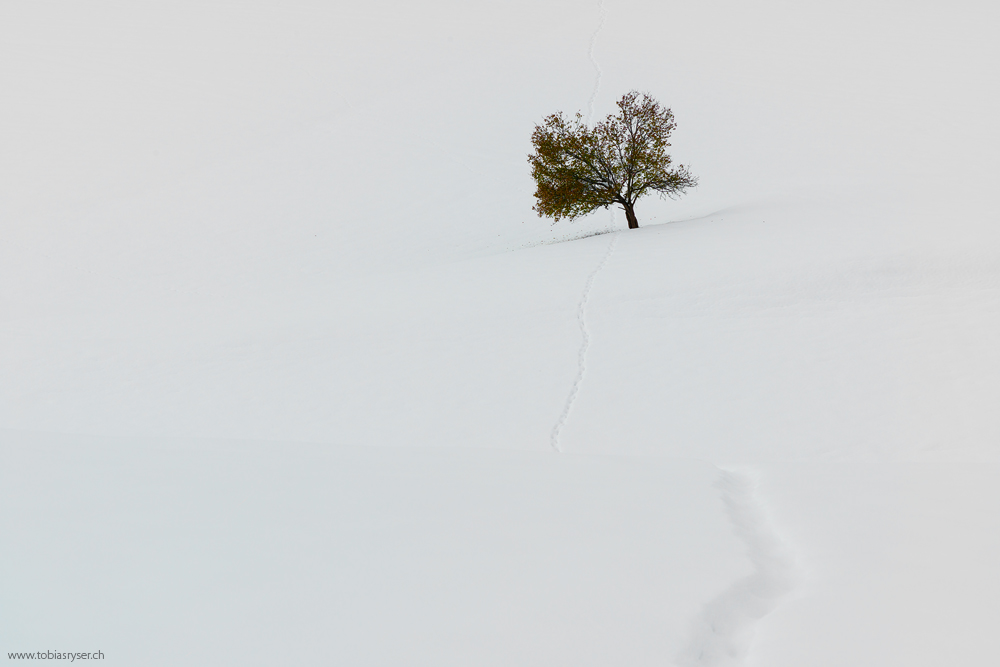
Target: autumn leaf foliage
[(579, 169)]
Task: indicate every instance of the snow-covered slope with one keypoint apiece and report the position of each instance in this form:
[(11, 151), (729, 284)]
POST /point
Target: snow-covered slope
[(290, 371)]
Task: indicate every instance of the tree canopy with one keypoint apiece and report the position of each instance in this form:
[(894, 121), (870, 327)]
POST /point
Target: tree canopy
[(579, 169)]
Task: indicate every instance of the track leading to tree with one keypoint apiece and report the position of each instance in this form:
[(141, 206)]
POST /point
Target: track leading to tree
[(581, 371)]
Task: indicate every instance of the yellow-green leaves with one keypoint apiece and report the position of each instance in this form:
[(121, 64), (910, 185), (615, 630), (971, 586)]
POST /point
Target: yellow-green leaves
[(579, 169)]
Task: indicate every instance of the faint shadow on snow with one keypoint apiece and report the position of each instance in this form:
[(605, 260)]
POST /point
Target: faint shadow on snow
[(724, 630)]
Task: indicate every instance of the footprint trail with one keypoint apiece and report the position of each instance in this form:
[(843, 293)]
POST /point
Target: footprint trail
[(581, 317), (593, 61)]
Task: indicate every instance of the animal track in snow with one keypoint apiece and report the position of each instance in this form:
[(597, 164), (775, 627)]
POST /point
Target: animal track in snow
[(581, 316), (582, 307), (597, 68)]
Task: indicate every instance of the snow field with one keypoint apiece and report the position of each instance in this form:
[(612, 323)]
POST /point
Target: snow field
[(284, 351), (211, 552)]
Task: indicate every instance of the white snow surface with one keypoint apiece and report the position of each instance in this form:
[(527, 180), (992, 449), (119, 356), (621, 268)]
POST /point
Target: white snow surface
[(290, 372)]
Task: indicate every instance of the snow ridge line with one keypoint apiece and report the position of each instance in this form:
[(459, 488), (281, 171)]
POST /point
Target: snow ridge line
[(581, 360), (593, 61), (724, 630)]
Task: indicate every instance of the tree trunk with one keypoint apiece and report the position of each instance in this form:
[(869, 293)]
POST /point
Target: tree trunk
[(633, 222)]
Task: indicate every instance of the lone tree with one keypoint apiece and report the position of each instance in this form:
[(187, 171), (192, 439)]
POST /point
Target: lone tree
[(579, 169)]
